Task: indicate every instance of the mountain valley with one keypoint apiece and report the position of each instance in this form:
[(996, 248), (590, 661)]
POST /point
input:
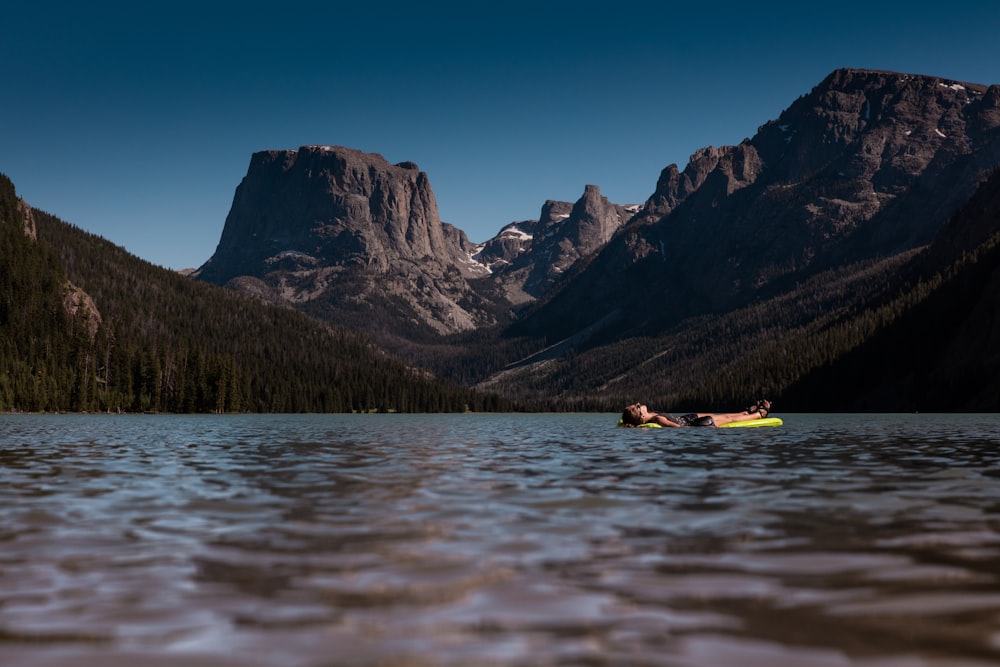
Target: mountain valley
[(844, 257), (846, 186)]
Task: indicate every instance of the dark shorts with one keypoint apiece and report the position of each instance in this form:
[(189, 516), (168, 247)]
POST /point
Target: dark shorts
[(691, 420)]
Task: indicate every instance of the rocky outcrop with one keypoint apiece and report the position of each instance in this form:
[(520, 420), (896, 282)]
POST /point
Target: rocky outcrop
[(528, 258), (27, 218), (81, 308), (675, 186)]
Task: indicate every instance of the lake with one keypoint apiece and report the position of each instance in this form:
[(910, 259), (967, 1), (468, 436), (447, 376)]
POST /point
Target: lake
[(320, 540)]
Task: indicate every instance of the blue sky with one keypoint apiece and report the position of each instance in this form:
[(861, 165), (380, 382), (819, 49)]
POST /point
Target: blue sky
[(136, 121)]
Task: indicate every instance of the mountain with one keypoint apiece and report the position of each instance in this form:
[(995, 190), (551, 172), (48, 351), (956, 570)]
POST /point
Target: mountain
[(352, 239), (753, 268), (349, 237), (526, 259), (845, 257), (815, 234), (912, 332), (869, 164)]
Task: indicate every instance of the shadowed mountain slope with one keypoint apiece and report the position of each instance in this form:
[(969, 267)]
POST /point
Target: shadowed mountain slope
[(867, 165)]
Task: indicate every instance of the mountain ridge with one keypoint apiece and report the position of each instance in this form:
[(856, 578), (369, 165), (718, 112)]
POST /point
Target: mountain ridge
[(804, 194), (796, 263), (333, 231), (862, 171)]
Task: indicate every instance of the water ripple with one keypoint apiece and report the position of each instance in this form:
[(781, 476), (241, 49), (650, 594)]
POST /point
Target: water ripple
[(866, 540)]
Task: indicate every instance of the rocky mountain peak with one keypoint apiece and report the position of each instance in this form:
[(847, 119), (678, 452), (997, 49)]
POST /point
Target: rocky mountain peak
[(870, 126), (554, 213), (499, 252), (732, 167), (875, 125), (336, 229), (593, 221), (528, 258), (328, 205)]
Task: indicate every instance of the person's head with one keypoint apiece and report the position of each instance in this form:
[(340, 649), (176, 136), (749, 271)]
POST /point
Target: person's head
[(633, 415)]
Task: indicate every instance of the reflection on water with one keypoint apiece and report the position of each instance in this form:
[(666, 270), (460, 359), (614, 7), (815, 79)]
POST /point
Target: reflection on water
[(498, 539)]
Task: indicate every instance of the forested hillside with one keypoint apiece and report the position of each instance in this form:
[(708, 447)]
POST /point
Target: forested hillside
[(943, 354), (153, 340), (723, 360), (39, 348)]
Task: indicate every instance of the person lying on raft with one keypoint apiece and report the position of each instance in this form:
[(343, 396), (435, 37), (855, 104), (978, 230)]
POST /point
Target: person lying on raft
[(638, 414)]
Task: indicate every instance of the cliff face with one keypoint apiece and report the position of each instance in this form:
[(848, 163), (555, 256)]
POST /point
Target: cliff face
[(326, 227), (29, 219), (527, 259), (332, 206)]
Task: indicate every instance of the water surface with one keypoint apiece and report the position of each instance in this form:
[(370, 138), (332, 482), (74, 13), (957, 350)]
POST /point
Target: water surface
[(320, 540)]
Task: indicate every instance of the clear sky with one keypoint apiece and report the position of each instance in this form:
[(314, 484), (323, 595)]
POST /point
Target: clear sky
[(137, 120)]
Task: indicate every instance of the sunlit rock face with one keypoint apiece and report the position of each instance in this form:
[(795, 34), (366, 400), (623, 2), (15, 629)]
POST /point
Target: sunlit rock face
[(338, 229)]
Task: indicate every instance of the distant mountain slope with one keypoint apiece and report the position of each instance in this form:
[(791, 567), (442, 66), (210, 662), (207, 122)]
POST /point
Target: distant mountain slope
[(867, 165), (914, 332)]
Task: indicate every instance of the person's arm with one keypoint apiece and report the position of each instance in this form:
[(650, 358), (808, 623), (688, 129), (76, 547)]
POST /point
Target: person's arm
[(656, 418)]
